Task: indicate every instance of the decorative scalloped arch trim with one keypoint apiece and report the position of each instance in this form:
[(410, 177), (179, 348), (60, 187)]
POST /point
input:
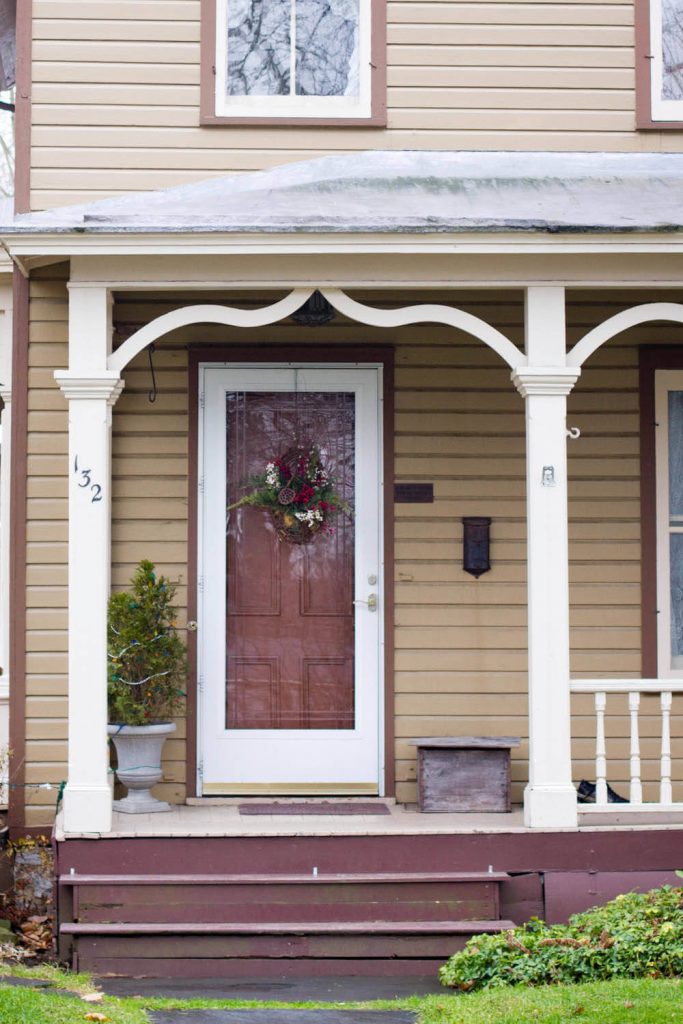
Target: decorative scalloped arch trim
[(435, 314), (672, 311), (230, 316)]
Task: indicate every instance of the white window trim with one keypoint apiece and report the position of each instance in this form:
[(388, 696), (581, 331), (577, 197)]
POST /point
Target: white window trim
[(665, 381), (323, 107), (662, 110)]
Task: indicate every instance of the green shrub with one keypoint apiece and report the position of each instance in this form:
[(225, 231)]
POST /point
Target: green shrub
[(634, 936), (147, 659)]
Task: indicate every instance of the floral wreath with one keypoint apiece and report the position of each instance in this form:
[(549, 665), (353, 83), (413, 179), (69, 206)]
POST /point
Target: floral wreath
[(299, 493)]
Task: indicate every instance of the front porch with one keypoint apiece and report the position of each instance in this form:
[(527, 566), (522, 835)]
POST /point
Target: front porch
[(221, 817), (208, 892), (492, 335)]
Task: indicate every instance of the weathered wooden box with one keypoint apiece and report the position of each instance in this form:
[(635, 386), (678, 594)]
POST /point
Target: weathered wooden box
[(464, 773)]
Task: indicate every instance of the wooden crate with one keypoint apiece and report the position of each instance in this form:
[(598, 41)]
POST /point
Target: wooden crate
[(464, 773)]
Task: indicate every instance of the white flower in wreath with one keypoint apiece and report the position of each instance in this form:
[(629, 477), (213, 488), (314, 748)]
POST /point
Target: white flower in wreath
[(313, 516), (272, 475)]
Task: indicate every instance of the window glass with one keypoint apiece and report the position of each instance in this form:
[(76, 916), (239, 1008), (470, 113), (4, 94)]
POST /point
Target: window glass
[(676, 558), (664, 56), (259, 45), (327, 47), (672, 49), (293, 58), (676, 455)]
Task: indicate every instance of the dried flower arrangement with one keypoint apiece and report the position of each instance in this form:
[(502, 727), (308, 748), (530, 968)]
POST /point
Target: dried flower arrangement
[(299, 494)]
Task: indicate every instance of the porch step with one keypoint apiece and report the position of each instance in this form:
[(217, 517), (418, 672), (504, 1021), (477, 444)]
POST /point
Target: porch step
[(291, 928), (186, 948), (285, 898), (333, 922)]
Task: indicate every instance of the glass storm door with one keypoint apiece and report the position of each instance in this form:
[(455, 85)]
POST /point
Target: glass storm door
[(289, 631)]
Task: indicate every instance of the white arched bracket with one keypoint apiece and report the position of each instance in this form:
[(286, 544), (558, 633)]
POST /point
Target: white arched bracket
[(231, 316), (650, 311), (428, 313)]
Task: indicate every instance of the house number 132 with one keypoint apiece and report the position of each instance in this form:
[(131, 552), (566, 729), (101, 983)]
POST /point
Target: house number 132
[(86, 482)]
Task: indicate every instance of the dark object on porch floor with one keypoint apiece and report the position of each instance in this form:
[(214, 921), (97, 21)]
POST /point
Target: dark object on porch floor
[(586, 793), (326, 807), (282, 1017)]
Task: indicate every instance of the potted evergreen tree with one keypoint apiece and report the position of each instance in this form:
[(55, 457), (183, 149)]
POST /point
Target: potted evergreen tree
[(146, 678)]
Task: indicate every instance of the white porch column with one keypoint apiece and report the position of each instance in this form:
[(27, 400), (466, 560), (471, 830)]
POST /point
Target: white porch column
[(91, 390), (549, 798), (5, 473)]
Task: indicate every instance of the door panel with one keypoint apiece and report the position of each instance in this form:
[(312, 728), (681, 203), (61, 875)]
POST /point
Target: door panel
[(301, 612)]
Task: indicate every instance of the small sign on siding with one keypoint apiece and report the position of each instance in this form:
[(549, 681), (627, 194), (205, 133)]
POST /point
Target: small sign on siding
[(414, 494)]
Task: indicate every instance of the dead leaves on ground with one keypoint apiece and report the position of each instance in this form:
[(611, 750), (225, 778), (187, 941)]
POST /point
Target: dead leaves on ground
[(36, 932)]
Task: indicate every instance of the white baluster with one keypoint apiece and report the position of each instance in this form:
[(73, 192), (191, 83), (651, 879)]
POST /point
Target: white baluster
[(665, 791), (600, 749), (636, 787)]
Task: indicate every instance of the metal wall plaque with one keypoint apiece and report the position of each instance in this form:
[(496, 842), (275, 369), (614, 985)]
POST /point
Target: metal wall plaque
[(475, 546), (414, 494)]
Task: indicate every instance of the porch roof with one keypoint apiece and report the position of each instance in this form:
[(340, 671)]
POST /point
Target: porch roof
[(401, 192)]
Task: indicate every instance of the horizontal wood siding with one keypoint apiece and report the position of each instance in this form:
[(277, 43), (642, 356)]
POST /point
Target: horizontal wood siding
[(460, 643), (47, 552), (116, 91)]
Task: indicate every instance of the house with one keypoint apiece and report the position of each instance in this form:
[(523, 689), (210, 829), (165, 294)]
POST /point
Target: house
[(478, 208)]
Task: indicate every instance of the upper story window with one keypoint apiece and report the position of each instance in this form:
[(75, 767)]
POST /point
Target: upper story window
[(660, 64), (293, 61), (667, 60)]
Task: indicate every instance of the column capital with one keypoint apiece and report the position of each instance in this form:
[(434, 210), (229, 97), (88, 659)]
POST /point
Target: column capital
[(5, 394), (107, 385), (545, 380)]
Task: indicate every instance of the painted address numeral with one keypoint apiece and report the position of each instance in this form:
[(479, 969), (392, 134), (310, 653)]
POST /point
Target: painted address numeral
[(86, 482)]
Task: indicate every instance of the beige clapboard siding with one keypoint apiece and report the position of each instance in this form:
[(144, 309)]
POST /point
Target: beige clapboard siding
[(46, 747), (145, 474), (486, 75)]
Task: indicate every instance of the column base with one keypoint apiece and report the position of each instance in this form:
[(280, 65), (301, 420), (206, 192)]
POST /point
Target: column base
[(87, 809), (550, 807)]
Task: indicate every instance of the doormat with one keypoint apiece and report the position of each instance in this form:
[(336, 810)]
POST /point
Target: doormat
[(326, 807)]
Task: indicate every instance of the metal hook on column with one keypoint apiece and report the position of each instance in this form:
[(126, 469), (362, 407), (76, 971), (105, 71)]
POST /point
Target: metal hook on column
[(574, 433), (152, 393)]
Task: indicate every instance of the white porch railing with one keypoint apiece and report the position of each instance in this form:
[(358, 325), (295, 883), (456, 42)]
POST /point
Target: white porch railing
[(635, 688)]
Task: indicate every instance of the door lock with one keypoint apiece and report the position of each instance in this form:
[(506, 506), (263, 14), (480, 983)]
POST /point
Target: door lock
[(371, 602)]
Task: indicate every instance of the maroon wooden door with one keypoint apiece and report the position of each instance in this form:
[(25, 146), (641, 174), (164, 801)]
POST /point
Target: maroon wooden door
[(290, 623)]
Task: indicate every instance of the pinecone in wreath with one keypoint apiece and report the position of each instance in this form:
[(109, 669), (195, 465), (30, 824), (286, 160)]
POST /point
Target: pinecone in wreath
[(286, 496)]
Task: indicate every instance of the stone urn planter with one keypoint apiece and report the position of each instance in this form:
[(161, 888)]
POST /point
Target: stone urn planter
[(138, 750)]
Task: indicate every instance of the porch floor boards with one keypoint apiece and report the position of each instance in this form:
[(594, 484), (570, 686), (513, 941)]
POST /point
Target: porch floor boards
[(221, 817)]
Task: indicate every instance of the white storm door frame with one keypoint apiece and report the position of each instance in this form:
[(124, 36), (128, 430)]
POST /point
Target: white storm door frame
[(290, 761)]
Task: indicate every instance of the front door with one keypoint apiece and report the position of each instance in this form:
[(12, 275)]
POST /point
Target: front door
[(290, 615)]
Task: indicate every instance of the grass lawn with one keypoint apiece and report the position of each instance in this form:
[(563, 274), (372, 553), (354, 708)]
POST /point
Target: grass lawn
[(638, 1001), (608, 1002)]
